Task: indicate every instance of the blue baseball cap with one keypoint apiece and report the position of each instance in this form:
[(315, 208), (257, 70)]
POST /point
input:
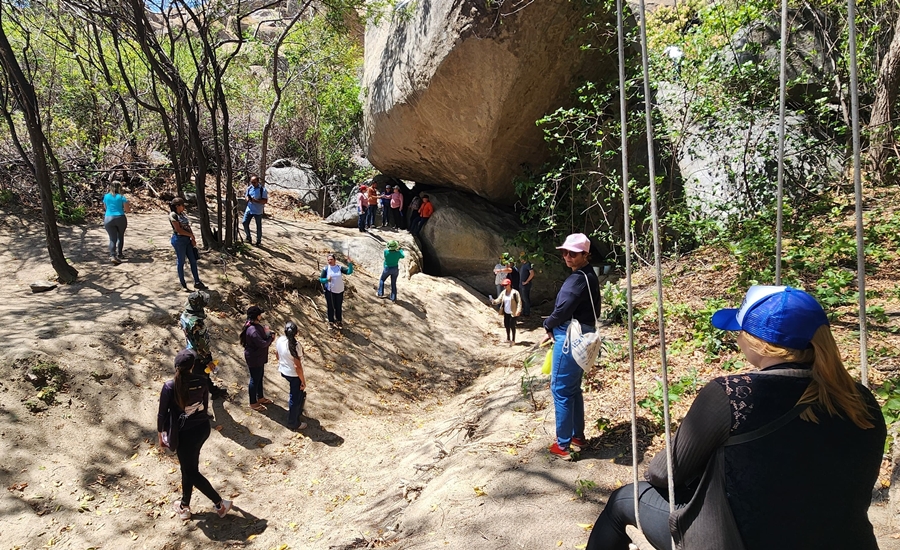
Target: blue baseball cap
[(781, 315)]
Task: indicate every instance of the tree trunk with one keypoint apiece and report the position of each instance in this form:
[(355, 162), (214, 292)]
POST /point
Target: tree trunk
[(27, 99), (882, 152)]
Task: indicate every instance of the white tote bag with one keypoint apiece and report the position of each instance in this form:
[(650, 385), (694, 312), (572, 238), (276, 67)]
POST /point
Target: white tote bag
[(584, 347)]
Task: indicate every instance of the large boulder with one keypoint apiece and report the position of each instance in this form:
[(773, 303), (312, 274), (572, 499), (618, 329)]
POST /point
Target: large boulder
[(302, 181), (453, 89), (729, 160)]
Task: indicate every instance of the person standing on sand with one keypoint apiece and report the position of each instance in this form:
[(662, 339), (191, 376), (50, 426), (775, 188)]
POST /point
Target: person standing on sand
[(526, 273), (290, 365), (332, 279), (193, 324), (257, 197), (511, 307), (256, 340), (392, 256), (182, 425), (184, 243), (362, 207), (115, 221)]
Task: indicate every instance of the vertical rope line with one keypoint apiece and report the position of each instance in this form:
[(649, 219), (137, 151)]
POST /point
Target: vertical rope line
[(782, 108), (626, 205), (857, 187), (651, 167)]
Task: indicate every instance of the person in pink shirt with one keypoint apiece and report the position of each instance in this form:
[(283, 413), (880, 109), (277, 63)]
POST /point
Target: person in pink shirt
[(396, 208), (362, 207)]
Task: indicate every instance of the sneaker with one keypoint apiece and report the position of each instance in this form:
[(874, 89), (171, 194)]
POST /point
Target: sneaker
[(300, 426), (564, 454), (339, 326), (184, 512), (121, 257), (200, 286), (223, 508), (184, 288), (114, 260), (577, 444)]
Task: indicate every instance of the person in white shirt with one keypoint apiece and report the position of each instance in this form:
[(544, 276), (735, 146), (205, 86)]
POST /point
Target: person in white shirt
[(332, 278), (511, 308), (290, 365)]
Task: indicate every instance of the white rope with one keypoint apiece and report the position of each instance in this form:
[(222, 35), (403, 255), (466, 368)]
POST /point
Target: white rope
[(626, 205), (651, 166), (782, 108), (857, 188)]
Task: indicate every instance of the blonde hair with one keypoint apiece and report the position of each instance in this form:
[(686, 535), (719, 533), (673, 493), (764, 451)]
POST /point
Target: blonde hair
[(115, 187), (831, 387)]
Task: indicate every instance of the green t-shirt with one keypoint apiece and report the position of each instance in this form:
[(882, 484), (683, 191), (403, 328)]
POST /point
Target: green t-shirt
[(392, 257)]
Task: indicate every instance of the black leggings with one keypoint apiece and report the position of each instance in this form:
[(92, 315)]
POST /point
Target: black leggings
[(609, 529), (509, 322), (190, 441)]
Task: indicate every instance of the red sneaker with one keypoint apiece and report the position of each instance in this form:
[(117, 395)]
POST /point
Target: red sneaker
[(577, 444), (564, 454)]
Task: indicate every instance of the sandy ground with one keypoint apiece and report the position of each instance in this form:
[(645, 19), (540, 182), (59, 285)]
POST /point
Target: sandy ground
[(419, 435)]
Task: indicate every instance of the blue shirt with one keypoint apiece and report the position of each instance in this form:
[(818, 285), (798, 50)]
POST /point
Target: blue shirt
[(115, 204), (257, 193), (573, 300), (525, 271)]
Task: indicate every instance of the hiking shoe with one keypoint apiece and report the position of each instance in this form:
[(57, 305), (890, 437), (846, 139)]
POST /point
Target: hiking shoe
[(577, 444), (184, 288), (184, 512), (223, 508), (564, 454), (114, 260), (200, 286)]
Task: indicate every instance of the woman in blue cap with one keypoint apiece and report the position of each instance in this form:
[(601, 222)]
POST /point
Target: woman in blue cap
[(783, 457)]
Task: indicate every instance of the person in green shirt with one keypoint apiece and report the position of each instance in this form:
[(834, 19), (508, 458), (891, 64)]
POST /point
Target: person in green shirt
[(392, 256)]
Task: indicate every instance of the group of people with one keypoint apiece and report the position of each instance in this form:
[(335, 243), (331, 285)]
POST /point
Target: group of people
[(750, 459), (782, 457), (367, 200)]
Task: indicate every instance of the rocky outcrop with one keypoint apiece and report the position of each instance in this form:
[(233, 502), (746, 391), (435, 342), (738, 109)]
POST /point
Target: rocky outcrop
[(728, 160), (302, 181), (453, 89)]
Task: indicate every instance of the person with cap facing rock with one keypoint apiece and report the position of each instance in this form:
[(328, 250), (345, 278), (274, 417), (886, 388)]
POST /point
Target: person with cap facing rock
[(392, 256), (256, 340), (182, 425), (362, 207), (579, 298), (193, 324), (778, 458)]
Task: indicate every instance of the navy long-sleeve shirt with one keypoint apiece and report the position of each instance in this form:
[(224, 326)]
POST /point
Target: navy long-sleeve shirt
[(572, 300), (256, 347)]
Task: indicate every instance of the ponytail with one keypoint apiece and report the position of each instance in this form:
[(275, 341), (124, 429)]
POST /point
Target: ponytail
[(290, 331), (181, 386)]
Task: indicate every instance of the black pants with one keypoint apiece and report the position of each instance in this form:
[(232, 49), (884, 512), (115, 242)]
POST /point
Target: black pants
[(509, 322), (609, 529), (335, 303), (190, 442)]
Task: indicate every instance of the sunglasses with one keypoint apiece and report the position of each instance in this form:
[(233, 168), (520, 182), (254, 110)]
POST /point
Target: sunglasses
[(570, 253)]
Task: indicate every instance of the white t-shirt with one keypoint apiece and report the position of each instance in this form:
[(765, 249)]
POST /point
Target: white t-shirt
[(337, 278), (285, 359), (507, 302)]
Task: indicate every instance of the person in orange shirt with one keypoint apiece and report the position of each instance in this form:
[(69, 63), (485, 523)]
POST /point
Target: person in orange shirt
[(425, 212), (373, 206)]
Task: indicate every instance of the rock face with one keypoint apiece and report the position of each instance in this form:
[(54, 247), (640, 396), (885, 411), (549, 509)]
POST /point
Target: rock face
[(730, 163), (302, 181), (453, 89)]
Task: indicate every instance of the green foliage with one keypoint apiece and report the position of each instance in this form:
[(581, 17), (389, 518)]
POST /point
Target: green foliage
[(615, 302), (583, 486), (701, 334), (49, 379), (6, 197), (66, 212), (528, 380), (653, 402), (889, 394)]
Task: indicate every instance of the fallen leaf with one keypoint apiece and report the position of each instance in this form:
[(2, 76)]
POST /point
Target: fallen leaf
[(480, 491), (251, 537), (586, 526), (219, 428)]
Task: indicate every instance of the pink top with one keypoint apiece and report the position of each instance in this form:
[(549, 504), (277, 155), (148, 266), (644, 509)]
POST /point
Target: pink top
[(362, 200), (396, 200)]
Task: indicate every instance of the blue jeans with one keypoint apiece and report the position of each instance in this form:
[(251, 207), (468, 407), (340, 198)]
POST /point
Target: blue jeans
[(385, 213), (184, 249), (256, 383), (565, 385), (115, 227), (335, 303), (361, 221), (296, 399), (247, 216), (418, 225), (370, 215), (392, 272), (609, 529), (525, 292)]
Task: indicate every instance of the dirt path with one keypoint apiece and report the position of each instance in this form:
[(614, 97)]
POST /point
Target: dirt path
[(419, 434)]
